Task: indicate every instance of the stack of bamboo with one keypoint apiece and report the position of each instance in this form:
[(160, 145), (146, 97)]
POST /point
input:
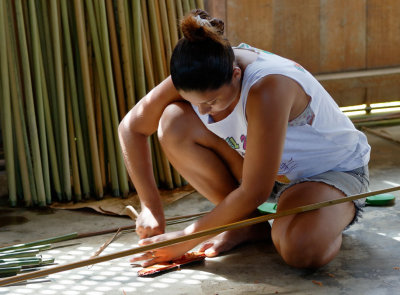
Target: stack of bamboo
[(70, 71)]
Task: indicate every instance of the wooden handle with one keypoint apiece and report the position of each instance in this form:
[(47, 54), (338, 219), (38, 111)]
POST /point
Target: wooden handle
[(211, 231), (132, 213)]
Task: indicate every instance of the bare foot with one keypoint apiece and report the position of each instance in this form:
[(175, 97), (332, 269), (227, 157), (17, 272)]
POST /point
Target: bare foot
[(230, 239)]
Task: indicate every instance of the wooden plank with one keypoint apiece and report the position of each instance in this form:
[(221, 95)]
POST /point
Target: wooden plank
[(349, 97), (383, 27), (296, 32), (343, 35), (251, 22)]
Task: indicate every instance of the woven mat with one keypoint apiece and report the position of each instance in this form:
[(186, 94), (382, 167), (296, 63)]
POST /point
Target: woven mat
[(116, 206)]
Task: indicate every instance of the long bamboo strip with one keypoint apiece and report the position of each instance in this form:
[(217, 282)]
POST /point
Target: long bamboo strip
[(74, 100), (17, 118), (129, 24), (172, 21), (88, 98), (37, 60), (111, 153), (192, 4), (15, 76), (180, 14), (37, 164), (122, 173), (65, 167), (6, 105), (200, 4), (76, 183), (99, 126), (166, 32), (155, 42), (116, 59), (125, 55), (204, 233), (160, 32), (148, 65), (51, 75), (185, 6), (138, 50)]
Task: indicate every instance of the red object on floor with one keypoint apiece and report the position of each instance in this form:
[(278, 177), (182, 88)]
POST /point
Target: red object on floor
[(189, 257)]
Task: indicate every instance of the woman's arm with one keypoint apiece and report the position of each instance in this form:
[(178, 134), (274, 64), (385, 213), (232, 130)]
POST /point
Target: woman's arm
[(134, 130)]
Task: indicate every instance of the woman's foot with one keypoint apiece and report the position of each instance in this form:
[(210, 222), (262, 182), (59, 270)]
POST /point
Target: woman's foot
[(230, 239)]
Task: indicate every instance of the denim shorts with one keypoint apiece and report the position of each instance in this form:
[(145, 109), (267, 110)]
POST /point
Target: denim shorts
[(349, 182)]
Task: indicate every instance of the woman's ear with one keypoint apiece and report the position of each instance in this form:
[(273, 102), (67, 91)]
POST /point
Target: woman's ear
[(237, 73)]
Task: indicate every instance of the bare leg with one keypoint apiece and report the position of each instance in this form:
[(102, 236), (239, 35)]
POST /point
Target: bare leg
[(311, 239), (208, 163)]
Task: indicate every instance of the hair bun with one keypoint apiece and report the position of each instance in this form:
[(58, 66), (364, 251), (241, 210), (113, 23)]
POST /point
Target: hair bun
[(199, 26)]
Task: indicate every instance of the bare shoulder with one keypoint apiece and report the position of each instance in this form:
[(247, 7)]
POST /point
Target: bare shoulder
[(278, 92)]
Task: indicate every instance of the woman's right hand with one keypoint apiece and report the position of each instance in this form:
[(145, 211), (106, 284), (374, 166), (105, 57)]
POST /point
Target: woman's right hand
[(150, 223)]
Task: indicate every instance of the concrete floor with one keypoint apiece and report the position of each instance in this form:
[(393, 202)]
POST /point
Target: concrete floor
[(367, 263)]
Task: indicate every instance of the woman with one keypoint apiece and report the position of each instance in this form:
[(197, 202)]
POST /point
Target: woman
[(240, 125)]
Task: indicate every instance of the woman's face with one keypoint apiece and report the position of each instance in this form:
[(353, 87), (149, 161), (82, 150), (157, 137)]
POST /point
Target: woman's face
[(216, 101)]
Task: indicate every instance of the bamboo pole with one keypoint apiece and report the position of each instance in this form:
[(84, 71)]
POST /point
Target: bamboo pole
[(6, 105), (203, 233), (186, 6), (37, 165), (180, 14), (37, 58), (122, 173), (65, 167), (18, 121), (162, 37), (138, 50), (111, 153), (126, 63), (166, 33), (172, 21), (88, 98), (116, 59), (78, 137), (76, 183), (200, 4)]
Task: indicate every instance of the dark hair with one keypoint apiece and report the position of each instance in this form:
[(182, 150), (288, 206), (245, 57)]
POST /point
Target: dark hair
[(203, 58)]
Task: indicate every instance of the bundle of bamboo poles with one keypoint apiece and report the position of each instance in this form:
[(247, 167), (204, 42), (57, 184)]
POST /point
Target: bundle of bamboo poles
[(70, 71)]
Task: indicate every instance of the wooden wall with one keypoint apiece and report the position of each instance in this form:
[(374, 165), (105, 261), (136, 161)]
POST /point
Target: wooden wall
[(325, 36)]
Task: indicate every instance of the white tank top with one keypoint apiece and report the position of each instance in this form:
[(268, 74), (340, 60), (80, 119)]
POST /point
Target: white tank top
[(324, 139)]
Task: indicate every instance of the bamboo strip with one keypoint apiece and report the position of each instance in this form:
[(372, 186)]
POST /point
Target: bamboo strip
[(65, 167), (138, 50), (6, 105), (200, 4), (116, 59), (74, 101), (148, 66), (172, 21), (166, 32), (192, 4), (122, 173), (18, 100), (99, 126), (128, 77), (88, 98), (204, 233), (76, 183), (161, 35), (180, 14), (185, 6), (27, 82), (112, 161), (37, 60)]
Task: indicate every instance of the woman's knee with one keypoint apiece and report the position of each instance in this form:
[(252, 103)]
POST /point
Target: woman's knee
[(305, 249), (174, 123)]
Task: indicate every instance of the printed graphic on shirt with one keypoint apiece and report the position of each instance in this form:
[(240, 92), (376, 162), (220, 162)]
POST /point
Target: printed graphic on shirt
[(235, 145), (243, 139), (232, 142), (287, 166), (299, 67)]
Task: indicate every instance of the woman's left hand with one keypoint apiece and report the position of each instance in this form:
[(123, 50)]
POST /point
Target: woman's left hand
[(164, 254)]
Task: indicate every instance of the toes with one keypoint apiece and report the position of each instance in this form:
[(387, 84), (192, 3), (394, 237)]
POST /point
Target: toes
[(206, 245)]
